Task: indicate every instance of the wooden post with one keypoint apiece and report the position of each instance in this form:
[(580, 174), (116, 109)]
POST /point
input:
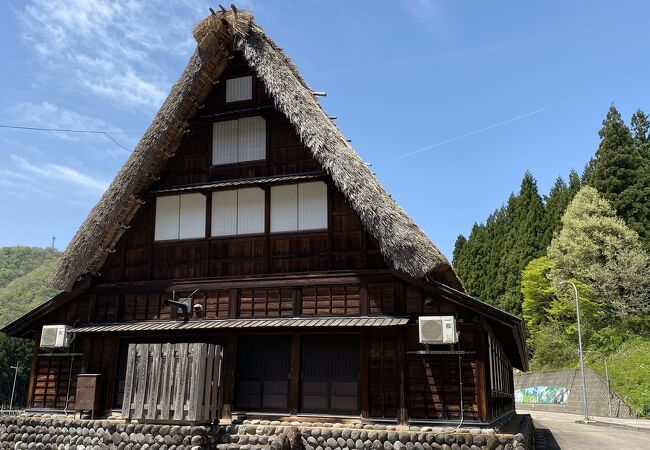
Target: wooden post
[(364, 375), (363, 300), (402, 410), (33, 374), (229, 374), (479, 340), (294, 378)]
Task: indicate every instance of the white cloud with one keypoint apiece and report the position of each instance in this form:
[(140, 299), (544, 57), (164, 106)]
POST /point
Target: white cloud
[(113, 48), (49, 173)]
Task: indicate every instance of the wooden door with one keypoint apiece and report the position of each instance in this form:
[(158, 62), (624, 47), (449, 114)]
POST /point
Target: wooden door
[(263, 369), (330, 374)]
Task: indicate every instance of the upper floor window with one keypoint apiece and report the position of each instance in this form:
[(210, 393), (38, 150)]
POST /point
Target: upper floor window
[(299, 207), (239, 89), (180, 217), (239, 140), (239, 211)]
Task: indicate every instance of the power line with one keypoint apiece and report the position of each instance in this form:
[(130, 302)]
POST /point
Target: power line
[(71, 130)]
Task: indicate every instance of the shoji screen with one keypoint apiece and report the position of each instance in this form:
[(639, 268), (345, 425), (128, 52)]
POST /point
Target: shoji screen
[(225, 142), (167, 216), (192, 216), (224, 213), (250, 211), (239, 89), (239, 140), (238, 212), (312, 206), (284, 208)]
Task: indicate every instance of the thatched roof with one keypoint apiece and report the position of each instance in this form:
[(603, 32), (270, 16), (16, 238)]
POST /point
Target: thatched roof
[(403, 244)]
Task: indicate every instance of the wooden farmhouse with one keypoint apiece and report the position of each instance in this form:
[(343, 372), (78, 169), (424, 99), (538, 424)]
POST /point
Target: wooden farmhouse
[(246, 263)]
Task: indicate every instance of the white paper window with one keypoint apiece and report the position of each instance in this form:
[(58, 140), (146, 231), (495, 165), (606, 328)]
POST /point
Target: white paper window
[(299, 207), (239, 140), (284, 208), (239, 89), (167, 215), (238, 211), (312, 206), (250, 211), (180, 217), (192, 216)]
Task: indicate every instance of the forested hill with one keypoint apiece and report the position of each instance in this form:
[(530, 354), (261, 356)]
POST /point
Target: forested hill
[(24, 272), (592, 230)]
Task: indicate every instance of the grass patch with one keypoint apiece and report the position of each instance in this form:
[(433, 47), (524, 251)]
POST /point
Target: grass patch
[(629, 372)]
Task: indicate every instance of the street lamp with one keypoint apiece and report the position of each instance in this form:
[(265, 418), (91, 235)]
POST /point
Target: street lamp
[(13, 389), (582, 362)]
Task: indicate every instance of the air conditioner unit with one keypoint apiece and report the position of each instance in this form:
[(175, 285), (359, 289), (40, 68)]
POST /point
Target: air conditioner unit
[(438, 330), (55, 336)]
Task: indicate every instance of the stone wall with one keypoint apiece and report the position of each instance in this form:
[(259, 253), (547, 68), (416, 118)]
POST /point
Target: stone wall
[(572, 380), (43, 433), (258, 434), (60, 433)]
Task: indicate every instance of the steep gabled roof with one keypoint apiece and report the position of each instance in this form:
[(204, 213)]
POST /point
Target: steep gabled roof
[(403, 244)]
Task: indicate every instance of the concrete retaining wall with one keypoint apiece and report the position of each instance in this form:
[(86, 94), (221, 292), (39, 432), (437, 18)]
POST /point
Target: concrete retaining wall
[(572, 380)]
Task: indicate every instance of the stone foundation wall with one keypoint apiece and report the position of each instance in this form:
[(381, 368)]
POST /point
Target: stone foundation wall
[(40, 433), (52, 433), (258, 434)]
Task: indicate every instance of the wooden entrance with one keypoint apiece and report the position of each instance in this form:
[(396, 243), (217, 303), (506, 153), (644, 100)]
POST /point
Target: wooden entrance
[(330, 374), (263, 370)]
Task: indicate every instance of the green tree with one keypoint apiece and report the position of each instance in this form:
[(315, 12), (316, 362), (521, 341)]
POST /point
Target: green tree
[(597, 248), (556, 203), (640, 125), (622, 173), (458, 248)]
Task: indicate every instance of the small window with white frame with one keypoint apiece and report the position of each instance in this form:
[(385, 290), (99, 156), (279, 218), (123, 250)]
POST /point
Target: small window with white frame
[(239, 89), (297, 207), (239, 140), (238, 211), (180, 217)]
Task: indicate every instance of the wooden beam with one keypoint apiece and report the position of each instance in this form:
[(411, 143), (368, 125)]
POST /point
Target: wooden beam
[(266, 281), (294, 377)]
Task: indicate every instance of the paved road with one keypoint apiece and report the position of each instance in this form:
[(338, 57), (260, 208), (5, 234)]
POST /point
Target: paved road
[(559, 431)]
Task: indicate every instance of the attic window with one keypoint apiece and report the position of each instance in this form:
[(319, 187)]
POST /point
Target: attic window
[(239, 89), (299, 207), (239, 211), (239, 140), (180, 217)]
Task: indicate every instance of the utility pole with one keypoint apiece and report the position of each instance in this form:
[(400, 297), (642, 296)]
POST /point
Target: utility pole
[(13, 390), (582, 361)]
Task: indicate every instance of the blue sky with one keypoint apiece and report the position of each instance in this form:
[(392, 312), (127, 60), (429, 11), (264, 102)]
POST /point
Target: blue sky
[(452, 101)]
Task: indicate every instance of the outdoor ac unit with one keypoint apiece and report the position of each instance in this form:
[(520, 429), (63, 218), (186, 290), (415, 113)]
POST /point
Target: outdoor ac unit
[(55, 336), (438, 330)]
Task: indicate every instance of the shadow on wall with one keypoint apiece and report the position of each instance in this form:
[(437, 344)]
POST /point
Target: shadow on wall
[(561, 391)]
